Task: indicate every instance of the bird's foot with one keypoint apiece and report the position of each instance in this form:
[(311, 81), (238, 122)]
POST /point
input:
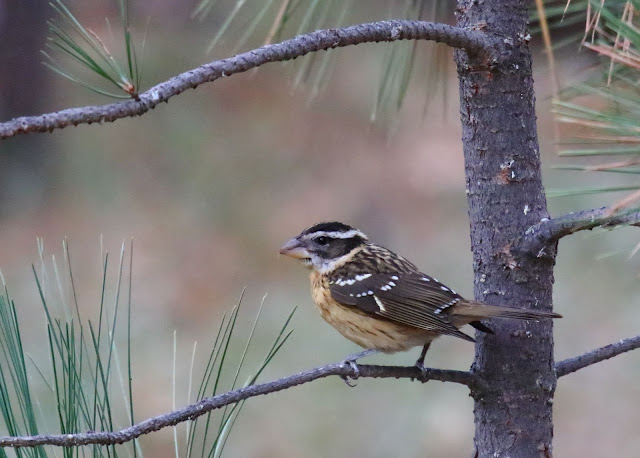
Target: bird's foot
[(356, 373), (420, 362), (423, 370), (351, 362)]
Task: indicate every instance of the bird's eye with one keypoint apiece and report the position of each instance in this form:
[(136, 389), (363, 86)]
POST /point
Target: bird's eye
[(322, 240)]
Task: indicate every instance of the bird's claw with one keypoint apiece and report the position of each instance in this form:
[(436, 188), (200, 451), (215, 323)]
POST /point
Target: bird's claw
[(345, 379)]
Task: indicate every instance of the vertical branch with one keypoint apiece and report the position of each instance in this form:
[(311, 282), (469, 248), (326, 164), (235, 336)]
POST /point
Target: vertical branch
[(505, 197)]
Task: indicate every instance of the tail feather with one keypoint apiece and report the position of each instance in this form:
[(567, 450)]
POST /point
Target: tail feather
[(481, 327), (473, 309)]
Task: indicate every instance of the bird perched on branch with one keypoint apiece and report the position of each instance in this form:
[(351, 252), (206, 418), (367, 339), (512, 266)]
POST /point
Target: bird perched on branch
[(380, 300)]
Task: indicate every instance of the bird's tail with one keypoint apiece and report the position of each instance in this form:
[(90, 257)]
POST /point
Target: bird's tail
[(479, 310)]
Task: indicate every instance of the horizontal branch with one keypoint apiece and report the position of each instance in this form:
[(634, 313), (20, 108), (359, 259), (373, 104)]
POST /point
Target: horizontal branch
[(549, 231), (340, 369), (600, 354), (206, 405), (473, 41)]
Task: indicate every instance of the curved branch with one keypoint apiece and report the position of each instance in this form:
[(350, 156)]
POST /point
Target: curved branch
[(206, 405), (595, 356), (549, 231), (473, 41)]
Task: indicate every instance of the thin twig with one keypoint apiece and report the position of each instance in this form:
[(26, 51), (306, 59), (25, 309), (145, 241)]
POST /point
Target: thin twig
[(548, 231), (595, 356), (473, 41), (206, 405)]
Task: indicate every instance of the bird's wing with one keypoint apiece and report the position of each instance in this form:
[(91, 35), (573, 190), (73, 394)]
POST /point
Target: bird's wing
[(410, 298)]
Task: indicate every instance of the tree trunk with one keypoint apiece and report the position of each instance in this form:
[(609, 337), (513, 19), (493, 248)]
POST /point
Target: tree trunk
[(513, 415)]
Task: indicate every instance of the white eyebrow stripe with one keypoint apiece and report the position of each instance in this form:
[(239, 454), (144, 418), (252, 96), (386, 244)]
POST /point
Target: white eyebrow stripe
[(340, 235)]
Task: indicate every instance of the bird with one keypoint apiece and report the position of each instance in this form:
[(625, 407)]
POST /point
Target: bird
[(382, 301)]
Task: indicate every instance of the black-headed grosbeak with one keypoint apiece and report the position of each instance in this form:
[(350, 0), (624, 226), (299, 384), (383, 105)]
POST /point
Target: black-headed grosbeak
[(380, 300)]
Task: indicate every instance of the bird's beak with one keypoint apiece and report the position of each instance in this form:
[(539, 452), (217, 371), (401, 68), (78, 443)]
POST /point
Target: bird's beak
[(295, 249)]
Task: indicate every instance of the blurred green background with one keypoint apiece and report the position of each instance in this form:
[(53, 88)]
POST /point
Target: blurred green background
[(210, 185)]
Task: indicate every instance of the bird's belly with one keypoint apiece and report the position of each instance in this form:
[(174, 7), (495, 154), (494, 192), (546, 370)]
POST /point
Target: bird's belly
[(364, 329)]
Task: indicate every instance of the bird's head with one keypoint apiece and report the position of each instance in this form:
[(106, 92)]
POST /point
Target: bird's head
[(325, 245)]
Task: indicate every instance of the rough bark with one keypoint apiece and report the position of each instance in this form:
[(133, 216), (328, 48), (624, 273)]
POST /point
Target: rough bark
[(513, 409)]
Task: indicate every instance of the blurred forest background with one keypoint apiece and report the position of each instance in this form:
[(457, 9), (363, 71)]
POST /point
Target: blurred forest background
[(210, 185)]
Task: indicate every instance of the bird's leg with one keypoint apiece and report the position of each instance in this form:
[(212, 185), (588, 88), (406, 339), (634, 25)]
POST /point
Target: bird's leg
[(420, 361), (351, 361)]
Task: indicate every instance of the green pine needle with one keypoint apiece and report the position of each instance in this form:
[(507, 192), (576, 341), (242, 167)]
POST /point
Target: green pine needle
[(602, 113), (590, 190), (84, 365), (68, 37)]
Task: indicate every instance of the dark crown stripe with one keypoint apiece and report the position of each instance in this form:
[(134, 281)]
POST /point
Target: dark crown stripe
[(328, 227)]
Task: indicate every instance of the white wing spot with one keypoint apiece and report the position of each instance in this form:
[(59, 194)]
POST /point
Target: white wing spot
[(394, 277), (380, 304), (388, 286), (426, 279), (445, 306), (370, 293), (444, 288), (362, 277)]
